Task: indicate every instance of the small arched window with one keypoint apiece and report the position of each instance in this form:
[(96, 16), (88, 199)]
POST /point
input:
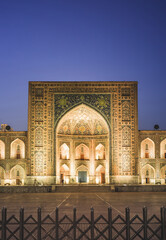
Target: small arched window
[(82, 152), (100, 152), (17, 149), (2, 150), (18, 152), (163, 149), (64, 151), (147, 148)]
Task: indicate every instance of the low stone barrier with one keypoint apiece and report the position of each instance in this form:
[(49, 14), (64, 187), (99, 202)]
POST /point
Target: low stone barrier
[(82, 188), (25, 189), (141, 188)]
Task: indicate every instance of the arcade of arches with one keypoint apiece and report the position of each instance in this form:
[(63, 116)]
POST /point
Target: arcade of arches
[(12, 170), (82, 147)]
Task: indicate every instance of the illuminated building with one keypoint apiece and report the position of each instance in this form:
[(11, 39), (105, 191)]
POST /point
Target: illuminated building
[(82, 132)]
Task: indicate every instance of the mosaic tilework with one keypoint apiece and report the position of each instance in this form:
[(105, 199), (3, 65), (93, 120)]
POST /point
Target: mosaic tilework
[(39, 111), (39, 163), (39, 137), (82, 127), (126, 162), (126, 110), (64, 102), (126, 137)]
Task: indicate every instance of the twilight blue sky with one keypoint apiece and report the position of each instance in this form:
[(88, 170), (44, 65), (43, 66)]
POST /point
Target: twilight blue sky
[(84, 40)]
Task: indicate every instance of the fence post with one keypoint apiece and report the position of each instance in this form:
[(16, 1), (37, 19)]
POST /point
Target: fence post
[(4, 215), (74, 224), (145, 222), (39, 224), (163, 224), (57, 224), (22, 224), (92, 224), (127, 224), (110, 223)]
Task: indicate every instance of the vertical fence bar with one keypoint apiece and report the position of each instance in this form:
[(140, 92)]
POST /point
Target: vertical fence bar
[(110, 223), (4, 215), (145, 222), (92, 224), (57, 223), (39, 224), (22, 224), (127, 224), (163, 224), (74, 224)]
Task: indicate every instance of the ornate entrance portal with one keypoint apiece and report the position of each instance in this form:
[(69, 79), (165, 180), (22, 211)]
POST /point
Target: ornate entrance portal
[(82, 144), (82, 176), (89, 127)]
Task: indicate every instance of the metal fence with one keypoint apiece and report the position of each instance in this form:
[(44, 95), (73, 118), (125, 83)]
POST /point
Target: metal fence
[(110, 227)]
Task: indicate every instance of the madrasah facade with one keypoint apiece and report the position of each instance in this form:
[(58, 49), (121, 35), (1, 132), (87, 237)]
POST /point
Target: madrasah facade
[(82, 132)]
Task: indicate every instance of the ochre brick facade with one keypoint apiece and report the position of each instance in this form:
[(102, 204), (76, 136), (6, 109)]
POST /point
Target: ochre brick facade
[(82, 132)]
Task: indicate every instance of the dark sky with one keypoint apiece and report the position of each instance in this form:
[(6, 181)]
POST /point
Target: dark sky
[(84, 40)]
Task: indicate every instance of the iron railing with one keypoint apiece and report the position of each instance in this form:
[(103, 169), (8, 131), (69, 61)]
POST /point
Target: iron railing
[(64, 227)]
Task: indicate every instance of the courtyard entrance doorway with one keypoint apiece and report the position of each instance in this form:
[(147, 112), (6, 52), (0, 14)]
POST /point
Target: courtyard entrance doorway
[(82, 176), (147, 180), (102, 177), (17, 175), (148, 174)]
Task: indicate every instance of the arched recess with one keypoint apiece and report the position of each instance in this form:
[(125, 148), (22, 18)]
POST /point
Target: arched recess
[(147, 148), (82, 127), (100, 174), (17, 149), (100, 152), (82, 173), (163, 149), (2, 150), (17, 175), (163, 174), (64, 174), (64, 151), (82, 152), (2, 173), (148, 174)]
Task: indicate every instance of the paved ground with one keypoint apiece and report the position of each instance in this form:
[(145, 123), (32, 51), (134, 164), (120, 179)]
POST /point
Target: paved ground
[(83, 202)]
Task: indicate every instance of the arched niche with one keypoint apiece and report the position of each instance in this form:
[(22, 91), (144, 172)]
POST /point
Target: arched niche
[(64, 174), (147, 148), (82, 152), (100, 152), (82, 127), (82, 120), (17, 149), (163, 173), (17, 175), (2, 173), (100, 174), (64, 151), (2, 150), (82, 173), (148, 174), (163, 149)]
